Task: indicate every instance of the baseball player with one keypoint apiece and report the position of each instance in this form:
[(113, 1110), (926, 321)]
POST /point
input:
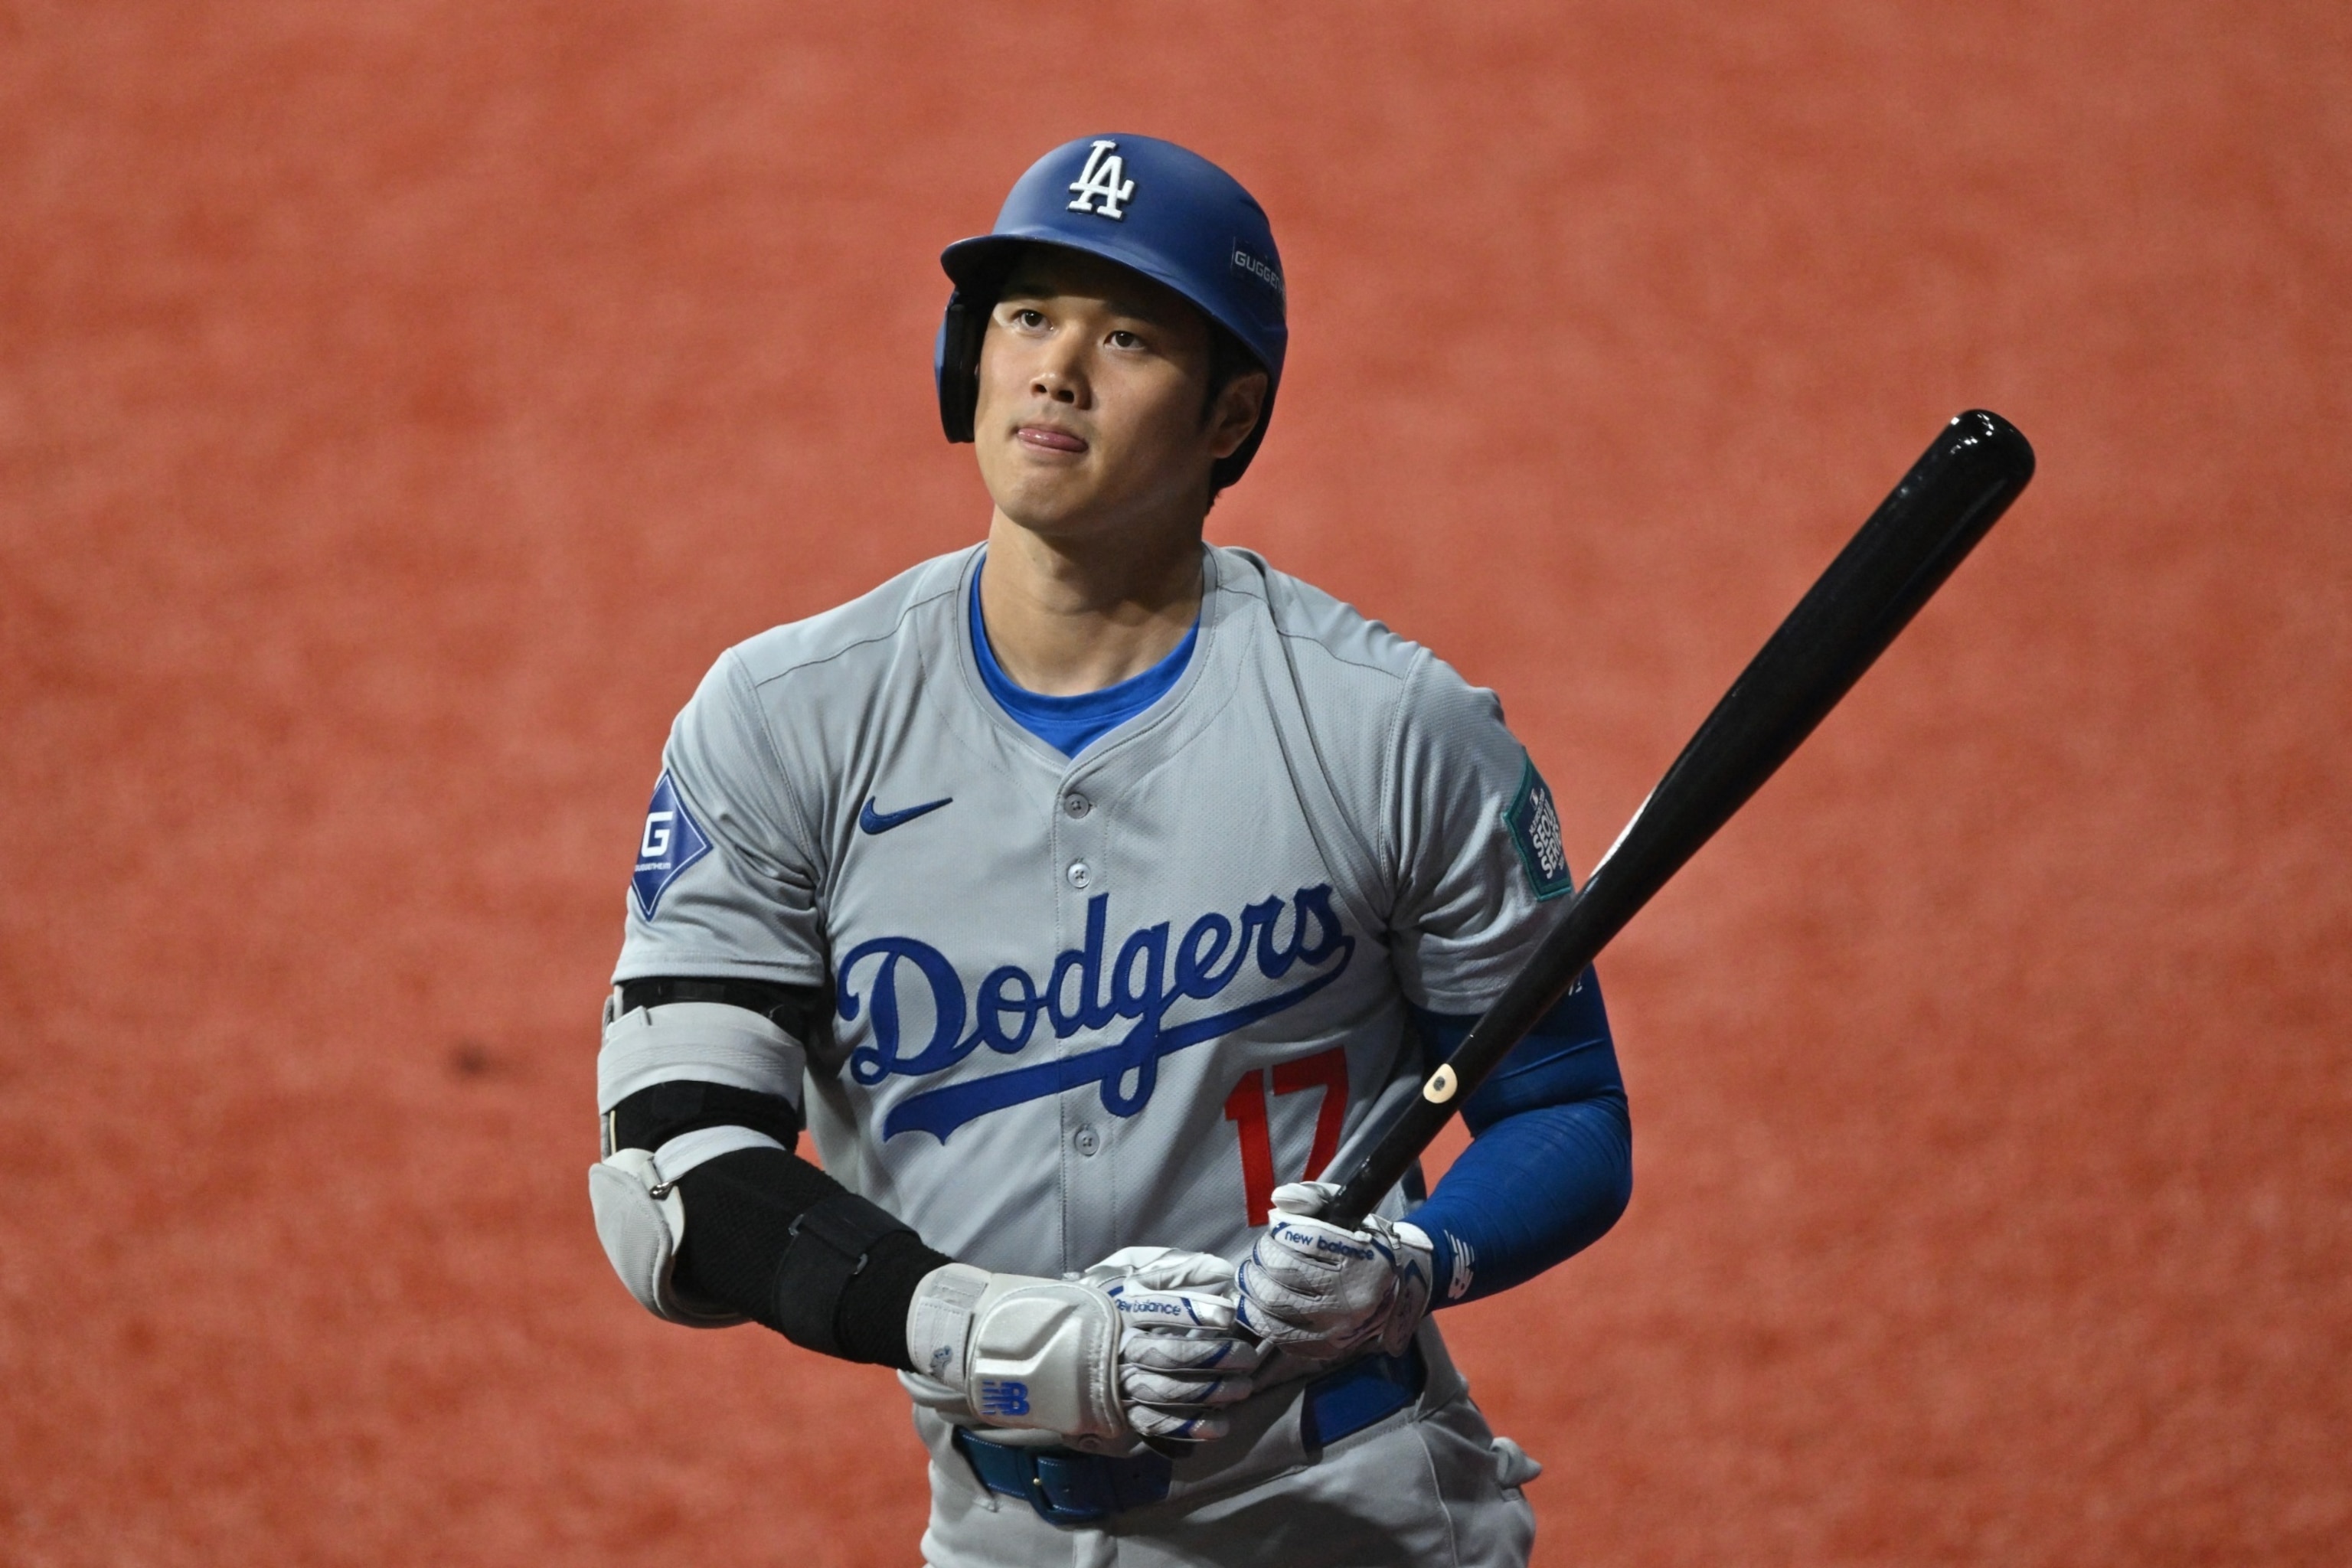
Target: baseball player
[(1085, 895)]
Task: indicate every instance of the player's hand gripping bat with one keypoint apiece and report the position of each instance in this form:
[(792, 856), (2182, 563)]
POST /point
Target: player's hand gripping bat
[(1952, 495)]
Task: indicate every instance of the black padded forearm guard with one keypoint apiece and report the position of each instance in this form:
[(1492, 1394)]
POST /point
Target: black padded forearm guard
[(772, 1236), (830, 1245)]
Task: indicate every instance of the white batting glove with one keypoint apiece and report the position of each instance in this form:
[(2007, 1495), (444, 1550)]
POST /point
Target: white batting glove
[(1023, 1352), (1323, 1293), (1181, 1358)]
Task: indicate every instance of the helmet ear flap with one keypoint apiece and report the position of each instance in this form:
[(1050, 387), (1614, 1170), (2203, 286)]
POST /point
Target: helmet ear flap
[(955, 364)]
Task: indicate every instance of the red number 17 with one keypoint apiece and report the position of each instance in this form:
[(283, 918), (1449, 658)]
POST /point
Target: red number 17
[(1245, 1108)]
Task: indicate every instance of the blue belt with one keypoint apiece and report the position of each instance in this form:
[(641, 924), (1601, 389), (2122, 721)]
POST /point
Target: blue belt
[(1063, 1485), (1067, 1487)]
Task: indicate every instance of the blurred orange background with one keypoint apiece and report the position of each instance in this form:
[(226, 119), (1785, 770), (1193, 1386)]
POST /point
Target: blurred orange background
[(402, 404)]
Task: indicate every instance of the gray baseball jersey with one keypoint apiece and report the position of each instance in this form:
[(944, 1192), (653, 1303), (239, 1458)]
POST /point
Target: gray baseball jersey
[(1109, 1000)]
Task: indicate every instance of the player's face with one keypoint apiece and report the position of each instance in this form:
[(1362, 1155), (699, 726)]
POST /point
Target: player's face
[(1092, 381)]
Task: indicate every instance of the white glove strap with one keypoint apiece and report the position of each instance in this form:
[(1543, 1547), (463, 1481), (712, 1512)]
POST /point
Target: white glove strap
[(939, 1321), (1416, 1277)]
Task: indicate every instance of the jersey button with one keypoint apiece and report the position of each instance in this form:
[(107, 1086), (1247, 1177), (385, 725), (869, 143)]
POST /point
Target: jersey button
[(1077, 805), (1088, 1142), (1082, 876)]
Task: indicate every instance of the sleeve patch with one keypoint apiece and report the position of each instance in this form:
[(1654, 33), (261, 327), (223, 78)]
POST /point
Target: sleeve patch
[(1534, 827), (672, 842)]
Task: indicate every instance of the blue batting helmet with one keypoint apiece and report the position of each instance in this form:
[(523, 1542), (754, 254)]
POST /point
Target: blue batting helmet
[(1150, 205)]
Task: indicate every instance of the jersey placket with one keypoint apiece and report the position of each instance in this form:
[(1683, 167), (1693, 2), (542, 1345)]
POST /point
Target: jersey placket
[(1088, 1134)]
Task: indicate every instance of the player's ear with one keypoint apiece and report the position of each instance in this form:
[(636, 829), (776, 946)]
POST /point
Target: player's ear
[(1234, 413)]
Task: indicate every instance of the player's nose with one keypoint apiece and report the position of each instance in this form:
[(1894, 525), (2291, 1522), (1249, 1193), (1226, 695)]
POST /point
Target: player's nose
[(1058, 387), (1060, 377)]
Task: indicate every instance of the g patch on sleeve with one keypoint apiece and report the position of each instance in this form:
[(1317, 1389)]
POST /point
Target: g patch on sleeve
[(672, 842), (1534, 826)]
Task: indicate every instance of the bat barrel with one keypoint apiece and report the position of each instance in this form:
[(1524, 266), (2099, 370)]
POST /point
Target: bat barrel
[(1952, 496)]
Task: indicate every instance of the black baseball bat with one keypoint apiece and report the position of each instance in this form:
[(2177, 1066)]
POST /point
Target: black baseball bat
[(1953, 494)]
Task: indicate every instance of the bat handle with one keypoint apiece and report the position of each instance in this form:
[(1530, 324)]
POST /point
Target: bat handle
[(1559, 963)]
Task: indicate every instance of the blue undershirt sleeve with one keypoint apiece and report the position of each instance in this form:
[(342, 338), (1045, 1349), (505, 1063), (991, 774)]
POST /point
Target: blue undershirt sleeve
[(1550, 1161)]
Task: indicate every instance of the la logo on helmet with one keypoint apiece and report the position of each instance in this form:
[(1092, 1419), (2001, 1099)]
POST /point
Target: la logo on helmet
[(1103, 179)]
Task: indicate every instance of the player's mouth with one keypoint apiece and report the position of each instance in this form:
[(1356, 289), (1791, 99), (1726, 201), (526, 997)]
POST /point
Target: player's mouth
[(1049, 438)]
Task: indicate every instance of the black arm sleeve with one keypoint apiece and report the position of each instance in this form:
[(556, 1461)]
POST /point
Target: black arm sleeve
[(768, 1234)]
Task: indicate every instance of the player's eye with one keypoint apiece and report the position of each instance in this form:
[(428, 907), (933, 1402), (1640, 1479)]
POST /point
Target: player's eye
[(1123, 339), (1028, 319)]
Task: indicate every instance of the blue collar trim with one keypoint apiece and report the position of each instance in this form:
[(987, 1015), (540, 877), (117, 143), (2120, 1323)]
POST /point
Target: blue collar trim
[(1071, 725)]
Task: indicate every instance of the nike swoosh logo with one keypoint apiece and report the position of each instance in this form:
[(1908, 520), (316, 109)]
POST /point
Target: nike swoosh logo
[(872, 821)]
